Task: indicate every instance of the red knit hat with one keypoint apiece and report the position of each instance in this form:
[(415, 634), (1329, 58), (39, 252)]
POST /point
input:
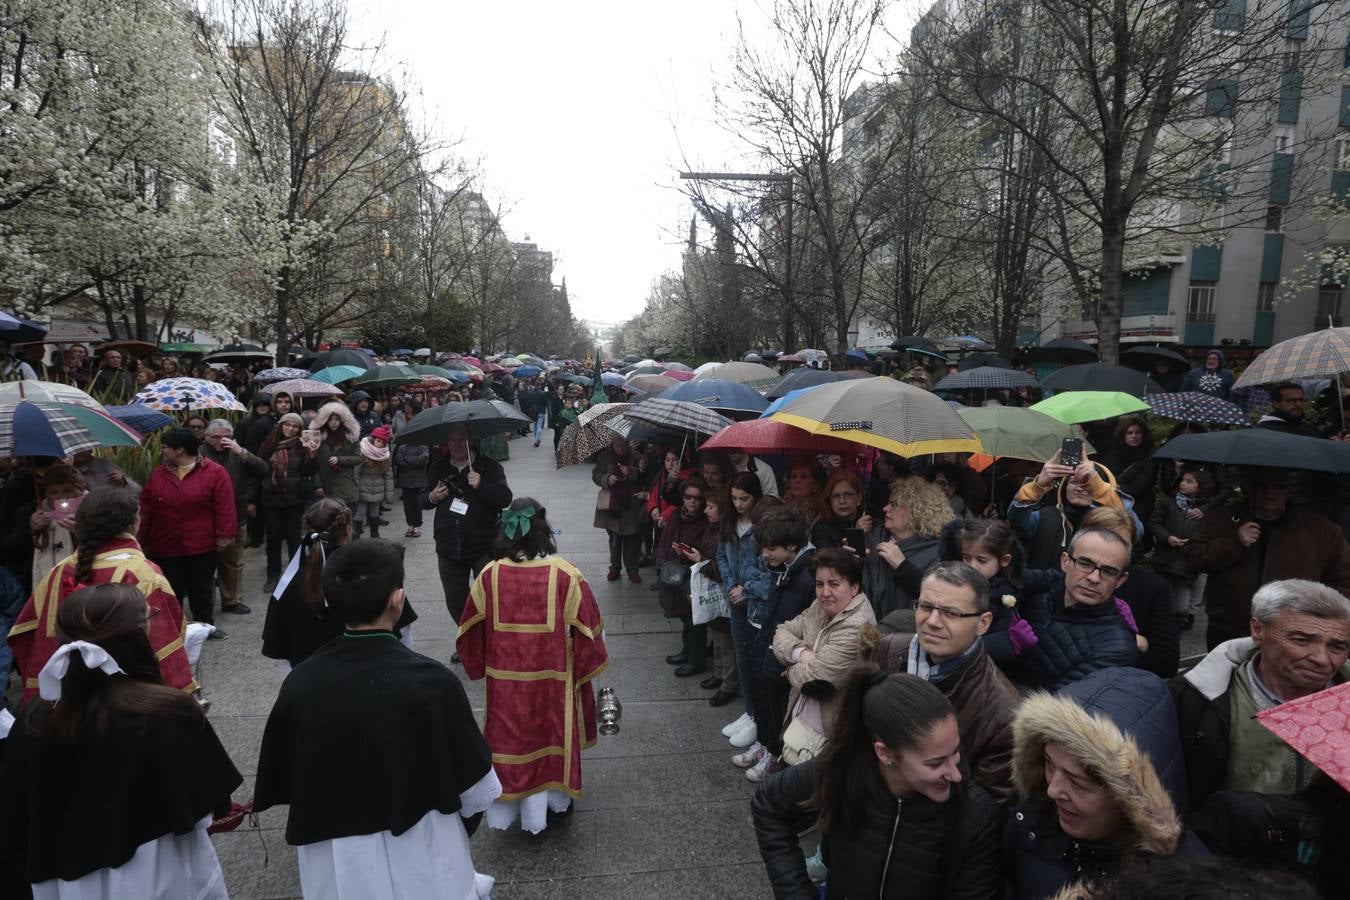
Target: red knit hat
[(381, 433)]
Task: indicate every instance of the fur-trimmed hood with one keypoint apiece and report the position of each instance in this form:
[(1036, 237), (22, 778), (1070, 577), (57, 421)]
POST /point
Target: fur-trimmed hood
[(1121, 725), (348, 420)]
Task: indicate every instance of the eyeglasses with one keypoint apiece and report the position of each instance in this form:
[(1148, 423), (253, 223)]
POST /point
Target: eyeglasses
[(1087, 567), (946, 611)]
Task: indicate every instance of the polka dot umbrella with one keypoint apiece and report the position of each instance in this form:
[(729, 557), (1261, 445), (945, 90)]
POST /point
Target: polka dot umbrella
[(188, 393)]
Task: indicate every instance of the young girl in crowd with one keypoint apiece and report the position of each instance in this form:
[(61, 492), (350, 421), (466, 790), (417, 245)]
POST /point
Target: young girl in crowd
[(725, 677), (298, 622), (746, 582), (111, 780), (375, 480), (1174, 521)]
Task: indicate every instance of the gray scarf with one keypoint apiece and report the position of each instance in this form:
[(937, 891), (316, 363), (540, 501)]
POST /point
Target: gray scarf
[(919, 663)]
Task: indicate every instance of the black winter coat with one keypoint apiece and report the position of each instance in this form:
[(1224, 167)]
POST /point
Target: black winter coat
[(1075, 641), (469, 536), (1149, 597), (910, 848), (790, 593)]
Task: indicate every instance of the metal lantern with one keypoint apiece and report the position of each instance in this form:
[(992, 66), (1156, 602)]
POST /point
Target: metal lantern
[(608, 711)]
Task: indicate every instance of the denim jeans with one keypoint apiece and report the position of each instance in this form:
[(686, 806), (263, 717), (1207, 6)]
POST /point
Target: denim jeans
[(539, 426), (11, 604), (741, 631)]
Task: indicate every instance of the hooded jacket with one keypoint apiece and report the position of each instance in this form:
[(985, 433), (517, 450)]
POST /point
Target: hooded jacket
[(791, 591), (1216, 383), (339, 483), (1044, 527), (1120, 724), (370, 419)]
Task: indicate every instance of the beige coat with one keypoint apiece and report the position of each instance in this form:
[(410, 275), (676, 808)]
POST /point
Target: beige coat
[(835, 651)]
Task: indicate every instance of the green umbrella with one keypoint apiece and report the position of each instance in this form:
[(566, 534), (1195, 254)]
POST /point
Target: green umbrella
[(338, 374), (438, 371), (1017, 433), (387, 376), (1073, 407), (574, 379), (183, 348)]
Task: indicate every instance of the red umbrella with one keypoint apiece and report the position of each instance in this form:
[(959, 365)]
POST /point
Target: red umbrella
[(471, 360), (678, 374), (493, 369), (768, 436), (1318, 727)]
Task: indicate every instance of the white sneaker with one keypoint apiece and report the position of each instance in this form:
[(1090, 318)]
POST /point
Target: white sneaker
[(733, 727), (746, 736), (751, 756), (760, 769)]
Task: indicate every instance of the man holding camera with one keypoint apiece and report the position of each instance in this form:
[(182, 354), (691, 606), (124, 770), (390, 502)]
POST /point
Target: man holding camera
[(468, 491)]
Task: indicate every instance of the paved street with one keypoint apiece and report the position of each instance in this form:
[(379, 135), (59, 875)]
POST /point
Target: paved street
[(664, 812)]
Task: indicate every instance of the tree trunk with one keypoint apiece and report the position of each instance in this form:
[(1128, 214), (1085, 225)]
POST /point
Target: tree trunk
[(283, 298), (1111, 301)]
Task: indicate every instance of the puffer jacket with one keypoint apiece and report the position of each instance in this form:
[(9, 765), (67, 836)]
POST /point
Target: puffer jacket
[(1037, 514), (340, 483), (910, 847), (1121, 725), (1073, 642), (739, 563), (834, 645), (375, 483), (411, 462)]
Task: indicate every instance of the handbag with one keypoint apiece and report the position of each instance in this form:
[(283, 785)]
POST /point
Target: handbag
[(602, 500), (801, 742), (673, 576), (707, 599)]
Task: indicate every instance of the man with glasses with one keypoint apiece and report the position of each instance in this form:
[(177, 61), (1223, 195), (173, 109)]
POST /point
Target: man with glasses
[(950, 619), (1078, 627), (1300, 639)]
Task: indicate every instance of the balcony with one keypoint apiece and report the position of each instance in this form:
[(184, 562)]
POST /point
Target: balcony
[(1133, 329)]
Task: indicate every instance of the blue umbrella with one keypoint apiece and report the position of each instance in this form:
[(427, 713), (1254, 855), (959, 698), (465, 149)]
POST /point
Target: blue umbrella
[(728, 397), (140, 417), (786, 399), (17, 330), (606, 377), (528, 371), (858, 356)]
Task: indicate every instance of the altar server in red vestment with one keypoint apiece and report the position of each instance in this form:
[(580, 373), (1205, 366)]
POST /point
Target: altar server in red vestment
[(105, 528), (532, 627)]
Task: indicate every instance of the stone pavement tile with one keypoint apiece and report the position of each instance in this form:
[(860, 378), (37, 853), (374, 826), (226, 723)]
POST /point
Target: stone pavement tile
[(241, 858), (241, 736), (639, 623), (738, 881), (666, 836), (638, 680), (566, 845), (639, 646), (246, 691), (625, 783), (664, 727)]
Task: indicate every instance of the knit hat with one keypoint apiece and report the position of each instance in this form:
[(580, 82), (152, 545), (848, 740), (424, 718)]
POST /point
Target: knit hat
[(292, 419), (381, 433)]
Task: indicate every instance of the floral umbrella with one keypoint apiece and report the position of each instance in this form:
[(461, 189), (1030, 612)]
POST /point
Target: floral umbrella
[(301, 387), (593, 431), (188, 393), (1193, 406), (283, 373)]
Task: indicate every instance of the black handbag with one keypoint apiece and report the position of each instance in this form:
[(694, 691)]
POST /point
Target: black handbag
[(673, 576)]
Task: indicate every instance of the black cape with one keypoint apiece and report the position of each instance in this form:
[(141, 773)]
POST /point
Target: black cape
[(146, 778), (292, 633), (368, 736)]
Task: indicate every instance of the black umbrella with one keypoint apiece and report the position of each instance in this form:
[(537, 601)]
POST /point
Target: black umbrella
[(912, 343), (982, 359), (237, 353), (1144, 358), (342, 357), (805, 378), (1260, 447), (481, 417), (1102, 377), (1063, 350)]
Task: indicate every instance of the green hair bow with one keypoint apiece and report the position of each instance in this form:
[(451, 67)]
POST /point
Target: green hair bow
[(516, 522)]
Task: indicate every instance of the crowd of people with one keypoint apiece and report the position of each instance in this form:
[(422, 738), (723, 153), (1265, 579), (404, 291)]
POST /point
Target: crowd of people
[(968, 681)]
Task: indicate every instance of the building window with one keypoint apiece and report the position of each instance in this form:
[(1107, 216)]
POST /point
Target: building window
[(1265, 296), (1200, 302), (1343, 153), (1228, 15), (1274, 219), (1328, 307), (1221, 98)]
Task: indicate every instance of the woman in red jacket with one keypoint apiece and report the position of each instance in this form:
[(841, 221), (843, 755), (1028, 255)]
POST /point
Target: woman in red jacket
[(187, 515)]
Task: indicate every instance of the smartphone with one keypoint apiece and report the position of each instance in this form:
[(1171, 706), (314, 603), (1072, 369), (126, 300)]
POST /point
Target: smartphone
[(855, 538), (1071, 452)]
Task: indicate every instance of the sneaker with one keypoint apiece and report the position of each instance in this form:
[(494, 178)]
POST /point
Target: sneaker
[(635, 578), (760, 770), (732, 727), (746, 736), (239, 609), (749, 757), (217, 635), (815, 867), (613, 575)]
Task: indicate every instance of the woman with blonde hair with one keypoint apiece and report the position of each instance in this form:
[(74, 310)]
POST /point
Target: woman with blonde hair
[(904, 545)]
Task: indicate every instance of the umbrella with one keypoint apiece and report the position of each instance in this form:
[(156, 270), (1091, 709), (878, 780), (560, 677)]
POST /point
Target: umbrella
[(44, 428), (1259, 447), (437, 383), (647, 370), (752, 356), (342, 357), (438, 371), (471, 361), (1090, 406), (1102, 377), (387, 376), (970, 342), (482, 417), (303, 354), (20, 331), (338, 374), (768, 436), (593, 431), (680, 375), (677, 415), (856, 355), (735, 401), (800, 378), (139, 349), (1063, 350), (631, 358), (611, 378), (184, 348), (752, 374), (528, 371), (784, 400), (510, 362), (1017, 432), (987, 378), (493, 369), (982, 359), (140, 417), (792, 359), (52, 391), (301, 387), (1145, 357), (651, 383), (282, 373), (238, 353), (1193, 406), (1316, 726), (582, 380), (681, 367), (912, 343), (1321, 354), (188, 393), (881, 413)]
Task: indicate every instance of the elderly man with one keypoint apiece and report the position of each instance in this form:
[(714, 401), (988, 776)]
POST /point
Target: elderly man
[(112, 382), (951, 617), (1300, 638), (246, 472), (1259, 540), (1079, 626)]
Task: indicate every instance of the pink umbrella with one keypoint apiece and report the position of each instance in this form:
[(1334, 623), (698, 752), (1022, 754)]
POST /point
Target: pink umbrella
[(492, 368), (768, 436), (1318, 727), (678, 374), (471, 360)]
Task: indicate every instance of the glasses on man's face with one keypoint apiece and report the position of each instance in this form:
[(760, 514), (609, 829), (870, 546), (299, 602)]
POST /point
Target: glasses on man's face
[(1088, 566), (946, 611)]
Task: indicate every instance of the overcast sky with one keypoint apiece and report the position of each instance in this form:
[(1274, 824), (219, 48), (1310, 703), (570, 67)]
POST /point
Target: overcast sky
[(581, 112)]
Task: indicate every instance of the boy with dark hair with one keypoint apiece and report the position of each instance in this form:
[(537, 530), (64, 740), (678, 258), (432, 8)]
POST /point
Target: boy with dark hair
[(366, 703)]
